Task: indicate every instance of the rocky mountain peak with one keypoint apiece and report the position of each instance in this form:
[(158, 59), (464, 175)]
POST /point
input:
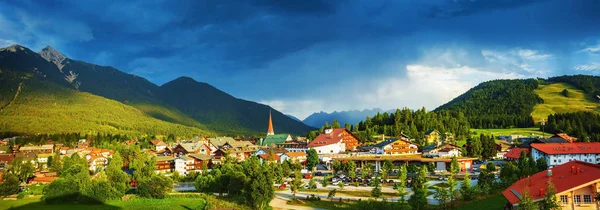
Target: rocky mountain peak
[(54, 56)]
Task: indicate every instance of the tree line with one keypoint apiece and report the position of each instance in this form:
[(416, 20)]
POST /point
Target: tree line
[(583, 125)]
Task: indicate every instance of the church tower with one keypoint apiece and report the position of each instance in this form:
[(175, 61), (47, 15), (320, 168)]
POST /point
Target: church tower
[(270, 131)]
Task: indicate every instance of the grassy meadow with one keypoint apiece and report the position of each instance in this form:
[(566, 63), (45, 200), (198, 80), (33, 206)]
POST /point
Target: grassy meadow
[(556, 102)]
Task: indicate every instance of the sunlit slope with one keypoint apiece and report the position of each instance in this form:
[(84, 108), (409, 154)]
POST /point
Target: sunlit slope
[(556, 102), (45, 107)]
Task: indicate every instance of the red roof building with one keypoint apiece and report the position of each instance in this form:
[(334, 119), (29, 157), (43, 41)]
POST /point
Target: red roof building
[(566, 137), (576, 184), (559, 153), (515, 153), (334, 141)]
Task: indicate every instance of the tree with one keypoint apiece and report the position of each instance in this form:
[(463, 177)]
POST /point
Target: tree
[(451, 189), (22, 169), (278, 173), (509, 173), (486, 178), (258, 191), (527, 201), (341, 185), (10, 184), (402, 176), (454, 167), (335, 124), (312, 159), (154, 187), (550, 202), (117, 178), (376, 192), (296, 183), (331, 194), (351, 167), (286, 168), (475, 147), (386, 168), (312, 184), (523, 164), (337, 166), (442, 195), (57, 163), (418, 200), (325, 181), (466, 189)]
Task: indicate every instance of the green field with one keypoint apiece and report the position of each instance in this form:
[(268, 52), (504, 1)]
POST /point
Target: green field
[(195, 201), (495, 202), (510, 131), (556, 102)]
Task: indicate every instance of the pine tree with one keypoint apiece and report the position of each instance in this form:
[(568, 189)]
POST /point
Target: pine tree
[(550, 202)]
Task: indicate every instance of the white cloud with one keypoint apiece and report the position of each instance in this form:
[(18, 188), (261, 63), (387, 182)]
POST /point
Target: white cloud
[(592, 49), (297, 107), (518, 59), (588, 67), (528, 54)]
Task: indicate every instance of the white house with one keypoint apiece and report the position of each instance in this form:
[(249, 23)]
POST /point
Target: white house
[(560, 153), (276, 150), (293, 157), (449, 152), (334, 141), (184, 164), (97, 162)]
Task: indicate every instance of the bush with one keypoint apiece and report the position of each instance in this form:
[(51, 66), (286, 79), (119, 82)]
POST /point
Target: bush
[(21, 195), (155, 187), (10, 184)]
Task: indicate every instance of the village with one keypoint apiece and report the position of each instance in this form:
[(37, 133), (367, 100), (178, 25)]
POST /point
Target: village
[(572, 164)]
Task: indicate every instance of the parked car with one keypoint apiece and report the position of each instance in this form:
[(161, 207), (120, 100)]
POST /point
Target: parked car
[(282, 186), (307, 176), (391, 181), (319, 173)]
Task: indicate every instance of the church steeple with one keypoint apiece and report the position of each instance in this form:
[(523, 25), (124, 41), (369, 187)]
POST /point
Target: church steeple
[(270, 131)]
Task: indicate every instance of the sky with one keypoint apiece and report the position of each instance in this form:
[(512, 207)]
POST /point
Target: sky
[(308, 56)]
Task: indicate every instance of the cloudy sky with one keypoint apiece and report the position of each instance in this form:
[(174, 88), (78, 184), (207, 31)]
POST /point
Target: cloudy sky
[(307, 56)]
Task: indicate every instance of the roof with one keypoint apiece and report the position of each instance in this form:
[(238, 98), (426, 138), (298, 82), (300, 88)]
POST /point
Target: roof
[(390, 141), (266, 156), (569, 148), (275, 139), (276, 150), (515, 153), (295, 154), (8, 158), (550, 140), (566, 137), (564, 177), (201, 157), (164, 158), (43, 179), (327, 139), (448, 149), (26, 156), (220, 141), (158, 142), (191, 147)]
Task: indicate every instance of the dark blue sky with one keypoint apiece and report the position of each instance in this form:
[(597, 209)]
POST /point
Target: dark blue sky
[(307, 56)]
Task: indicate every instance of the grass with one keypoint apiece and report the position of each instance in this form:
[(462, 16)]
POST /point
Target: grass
[(43, 107), (510, 131), (556, 102), (496, 201), (173, 201), (322, 204)]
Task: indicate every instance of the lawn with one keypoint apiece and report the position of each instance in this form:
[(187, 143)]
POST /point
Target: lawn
[(174, 201), (496, 201), (365, 194), (556, 102), (510, 131)]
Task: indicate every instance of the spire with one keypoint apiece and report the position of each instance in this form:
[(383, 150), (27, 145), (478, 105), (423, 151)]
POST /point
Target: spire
[(270, 130)]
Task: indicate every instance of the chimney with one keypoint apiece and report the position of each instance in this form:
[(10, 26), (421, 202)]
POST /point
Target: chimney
[(549, 173), (578, 169), (572, 169), (541, 191), (328, 131)]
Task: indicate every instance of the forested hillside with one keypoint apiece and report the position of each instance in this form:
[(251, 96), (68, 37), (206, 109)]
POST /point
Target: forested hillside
[(589, 84), (224, 112), (45, 107), (413, 123), (497, 104), (583, 125)]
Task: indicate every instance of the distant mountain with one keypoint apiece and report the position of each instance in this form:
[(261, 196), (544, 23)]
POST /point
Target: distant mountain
[(318, 119), (293, 117), (204, 108), (214, 107)]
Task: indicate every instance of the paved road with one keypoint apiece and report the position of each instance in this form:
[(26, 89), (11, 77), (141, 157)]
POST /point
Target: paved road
[(281, 199)]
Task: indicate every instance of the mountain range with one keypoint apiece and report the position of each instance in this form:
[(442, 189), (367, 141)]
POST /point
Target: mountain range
[(31, 80), (318, 119)]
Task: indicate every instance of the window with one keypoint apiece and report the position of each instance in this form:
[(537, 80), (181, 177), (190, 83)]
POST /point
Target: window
[(587, 198), (564, 200), (577, 199)]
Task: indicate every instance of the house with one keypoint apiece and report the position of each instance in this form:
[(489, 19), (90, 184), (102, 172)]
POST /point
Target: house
[(5, 160), (183, 164), (443, 150), (276, 150), (275, 140), (395, 146), (164, 164), (575, 182), (334, 141), (240, 154), (46, 148), (432, 136), (565, 137), (97, 162), (200, 161), (268, 158), (159, 145), (514, 153), (188, 148), (299, 157), (220, 141), (5, 149), (31, 157), (43, 157), (559, 153)]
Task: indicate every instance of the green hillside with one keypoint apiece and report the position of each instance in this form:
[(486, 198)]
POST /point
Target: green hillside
[(46, 107), (556, 102)]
